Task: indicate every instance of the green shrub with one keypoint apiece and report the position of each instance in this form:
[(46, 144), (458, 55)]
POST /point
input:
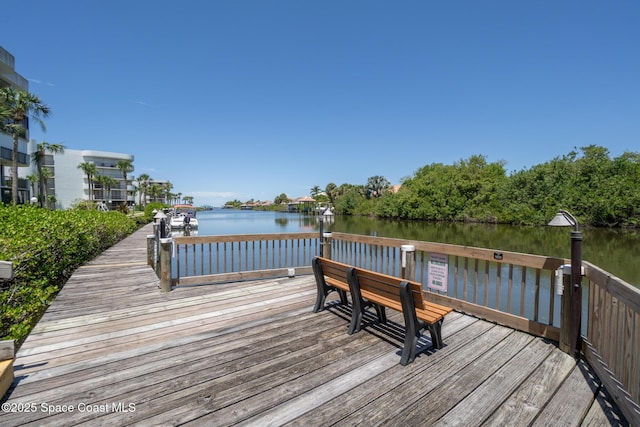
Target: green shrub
[(45, 248)]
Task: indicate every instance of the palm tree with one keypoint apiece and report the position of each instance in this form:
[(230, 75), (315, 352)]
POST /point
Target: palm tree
[(376, 185), (5, 119), (44, 177), (99, 190), (38, 158), (167, 186), (155, 191), (5, 114), (90, 169), (143, 184), (125, 166), (315, 190), (52, 200), (33, 179), (21, 105), (107, 183)]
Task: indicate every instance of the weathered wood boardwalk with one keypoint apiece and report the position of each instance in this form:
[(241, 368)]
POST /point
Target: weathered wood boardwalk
[(117, 351)]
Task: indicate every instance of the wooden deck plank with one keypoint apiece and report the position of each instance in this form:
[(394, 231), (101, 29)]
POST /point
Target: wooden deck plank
[(353, 391), (572, 401), (602, 413), (90, 326), (253, 353), (529, 399), (147, 359), (130, 342), (182, 376), (448, 385), (480, 404)]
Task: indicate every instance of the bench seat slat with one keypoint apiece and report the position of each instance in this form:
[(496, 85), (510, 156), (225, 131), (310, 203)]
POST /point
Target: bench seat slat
[(372, 285), (429, 316)]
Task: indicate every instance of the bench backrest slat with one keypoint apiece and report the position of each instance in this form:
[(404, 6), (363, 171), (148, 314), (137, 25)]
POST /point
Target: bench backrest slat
[(388, 286), (334, 270)]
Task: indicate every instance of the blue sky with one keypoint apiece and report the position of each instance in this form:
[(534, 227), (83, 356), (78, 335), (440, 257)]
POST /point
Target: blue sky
[(249, 99)]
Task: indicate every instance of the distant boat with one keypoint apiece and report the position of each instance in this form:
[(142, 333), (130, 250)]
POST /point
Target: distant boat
[(324, 210), (180, 214)]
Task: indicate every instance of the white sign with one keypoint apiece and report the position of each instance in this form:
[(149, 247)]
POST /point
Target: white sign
[(438, 269)]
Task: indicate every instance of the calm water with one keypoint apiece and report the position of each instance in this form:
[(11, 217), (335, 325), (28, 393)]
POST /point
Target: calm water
[(617, 251)]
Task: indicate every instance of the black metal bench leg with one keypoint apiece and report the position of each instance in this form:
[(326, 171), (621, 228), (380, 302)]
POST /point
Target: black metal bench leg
[(357, 305), (357, 308), (410, 345), (356, 321), (382, 313), (343, 297), (323, 289), (436, 334), (321, 297)]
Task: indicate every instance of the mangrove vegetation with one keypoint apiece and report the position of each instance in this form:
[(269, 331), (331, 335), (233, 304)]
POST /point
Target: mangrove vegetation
[(600, 190)]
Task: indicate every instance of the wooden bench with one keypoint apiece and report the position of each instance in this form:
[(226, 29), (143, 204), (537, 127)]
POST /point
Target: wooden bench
[(369, 288)]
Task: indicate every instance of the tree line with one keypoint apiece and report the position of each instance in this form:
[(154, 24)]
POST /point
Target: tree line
[(599, 190)]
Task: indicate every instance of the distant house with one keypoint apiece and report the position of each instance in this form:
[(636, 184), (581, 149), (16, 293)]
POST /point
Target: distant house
[(302, 204)]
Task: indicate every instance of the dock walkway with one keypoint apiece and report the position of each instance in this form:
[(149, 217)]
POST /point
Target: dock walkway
[(113, 350)]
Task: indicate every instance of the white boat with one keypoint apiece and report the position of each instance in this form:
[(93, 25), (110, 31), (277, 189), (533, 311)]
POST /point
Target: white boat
[(183, 232), (182, 215), (323, 209)]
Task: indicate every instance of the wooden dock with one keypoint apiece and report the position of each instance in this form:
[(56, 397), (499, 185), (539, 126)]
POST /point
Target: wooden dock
[(113, 350)]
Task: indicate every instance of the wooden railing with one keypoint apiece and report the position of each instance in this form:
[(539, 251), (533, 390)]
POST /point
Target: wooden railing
[(213, 259), (510, 288), (513, 289), (612, 341)]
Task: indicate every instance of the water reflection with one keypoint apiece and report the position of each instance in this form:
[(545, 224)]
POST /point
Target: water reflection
[(617, 251), (282, 222)]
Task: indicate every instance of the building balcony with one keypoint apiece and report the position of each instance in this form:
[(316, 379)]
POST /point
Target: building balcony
[(7, 71), (6, 157)]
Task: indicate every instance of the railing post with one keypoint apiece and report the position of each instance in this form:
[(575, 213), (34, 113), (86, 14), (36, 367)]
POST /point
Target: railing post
[(408, 262), (326, 245), (565, 315), (163, 228), (165, 264), (576, 293), (151, 242), (156, 254)]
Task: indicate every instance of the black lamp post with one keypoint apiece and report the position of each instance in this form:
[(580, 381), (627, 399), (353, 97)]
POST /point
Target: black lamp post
[(565, 219)]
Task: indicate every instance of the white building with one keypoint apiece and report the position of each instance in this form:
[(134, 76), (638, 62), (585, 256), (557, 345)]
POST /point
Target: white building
[(9, 77), (67, 183), (70, 184)]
